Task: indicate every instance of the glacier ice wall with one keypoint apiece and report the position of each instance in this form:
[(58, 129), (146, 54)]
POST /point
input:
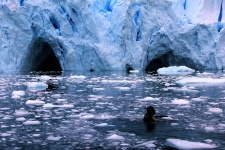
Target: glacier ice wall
[(111, 34)]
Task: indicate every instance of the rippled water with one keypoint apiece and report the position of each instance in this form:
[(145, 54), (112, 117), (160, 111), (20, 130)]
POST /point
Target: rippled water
[(105, 111)]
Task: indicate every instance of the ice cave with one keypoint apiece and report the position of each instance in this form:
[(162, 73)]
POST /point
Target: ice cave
[(169, 59), (41, 57), (155, 64)]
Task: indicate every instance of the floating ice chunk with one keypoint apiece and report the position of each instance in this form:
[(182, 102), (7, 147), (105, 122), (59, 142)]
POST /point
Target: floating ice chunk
[(7, 117), (35, 102), (105, 116), (54, 138), (168, 118), (36, 86), (21, 112), (67, 106), (4, 126), (118, 81), (149, 144), (61, 100), (18, 93), (115, 137), (123, 88), (183, 144), (87, 116), (45, 78), (32, 122), (210, 128), (5, 134), (197, 81), (180, 102), (208, 140), (77, 77), (98, 89), (36, 135), (149, 79), (150, 99), (49, 105), (56, 95), (134, 71), (16, 97), (174, 124), (221, 125), (21, 119), (185, 89), (174, 70), (102, 125), (5, 108), (215, 110), (199, 99)]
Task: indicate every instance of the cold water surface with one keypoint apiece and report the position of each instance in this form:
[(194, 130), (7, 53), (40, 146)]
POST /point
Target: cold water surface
[(105, 111)]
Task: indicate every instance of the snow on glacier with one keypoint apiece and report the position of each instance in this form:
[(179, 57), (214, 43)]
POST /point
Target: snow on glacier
[(201, 11)]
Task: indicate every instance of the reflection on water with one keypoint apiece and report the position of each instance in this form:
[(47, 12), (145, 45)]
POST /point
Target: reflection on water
[(105, 111)]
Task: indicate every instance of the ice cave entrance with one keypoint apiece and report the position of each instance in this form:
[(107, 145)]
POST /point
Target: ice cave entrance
[(169, 59), (41, 57), (159, 62)]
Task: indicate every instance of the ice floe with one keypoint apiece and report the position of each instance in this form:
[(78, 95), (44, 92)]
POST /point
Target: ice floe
[(35, 102), (149, 99), (175, 70), (17, 94), (21, 119), (180, 101), (123, 88), (77, 77), (210, 128), (215, 110), (54, 138), (183, 144), (149, 144), (31, 122), (21, 112), (198, 81), (5, 134), (102, 125), (87, 116), (36, 86), (45, 78), (134, 71), (115, 137), (50, 105)]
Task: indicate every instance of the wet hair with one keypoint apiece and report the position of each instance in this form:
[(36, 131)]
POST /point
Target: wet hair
[(150, 111)]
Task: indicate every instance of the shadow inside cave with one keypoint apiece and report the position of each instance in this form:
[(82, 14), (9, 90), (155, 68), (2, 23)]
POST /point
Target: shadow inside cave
[(41, 58)]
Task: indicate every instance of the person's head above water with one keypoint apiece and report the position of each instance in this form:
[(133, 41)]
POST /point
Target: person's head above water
[(150, 115), (150, 110)]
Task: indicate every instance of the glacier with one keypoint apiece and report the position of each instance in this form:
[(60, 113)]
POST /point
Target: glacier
[(97, 35)]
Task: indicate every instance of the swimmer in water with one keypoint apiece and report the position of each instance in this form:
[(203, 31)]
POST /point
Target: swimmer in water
[(150, 115)]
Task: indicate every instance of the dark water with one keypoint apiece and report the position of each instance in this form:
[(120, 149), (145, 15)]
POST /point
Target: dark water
[(105, 111)]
